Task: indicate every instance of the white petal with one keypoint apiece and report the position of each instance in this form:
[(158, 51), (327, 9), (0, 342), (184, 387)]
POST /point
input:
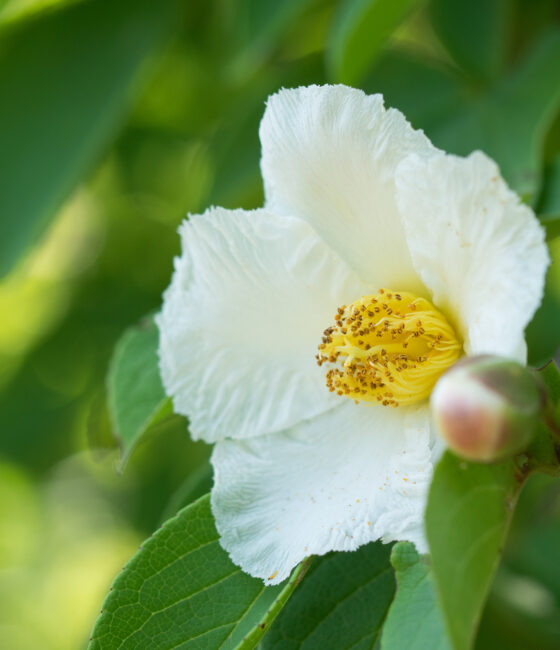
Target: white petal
[(352, 475), (241, 321), (329, 155), (476, 247)]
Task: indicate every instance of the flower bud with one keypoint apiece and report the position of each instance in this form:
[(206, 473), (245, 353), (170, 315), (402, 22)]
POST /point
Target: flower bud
[(487, 408)]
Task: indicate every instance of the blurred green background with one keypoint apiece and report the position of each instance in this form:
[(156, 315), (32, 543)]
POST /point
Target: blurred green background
[(119, 118)]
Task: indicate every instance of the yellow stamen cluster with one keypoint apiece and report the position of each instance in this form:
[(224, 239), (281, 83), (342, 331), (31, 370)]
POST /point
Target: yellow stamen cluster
[(388, 348)]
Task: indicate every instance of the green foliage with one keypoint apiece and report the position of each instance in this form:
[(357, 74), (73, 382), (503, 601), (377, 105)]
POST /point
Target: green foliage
[(360, 29), (198, 483), (549, 202), (529, 88), (181, 589), (341, 604), (415, 619), (535, 535), (552, 228), (543, 334), (467, 517), (257, 26), (432, 94), (476, 33), (550, 375), (459, 117), (137, 399), (64, 95), (523, 610)]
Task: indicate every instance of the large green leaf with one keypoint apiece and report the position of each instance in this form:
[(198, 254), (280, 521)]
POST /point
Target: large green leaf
[(415, 619), (543, 333), (18, 9), (523, 610), (532, 87), (552, 227), (341, 604), (257, 26), (236, 144), (476, 33), (137, 399), (549, 202), (535, 534), (467, 517), (459, 117), (360, 29), (520, 615), (550, 375), (182, 590), (66, 79), (197, 484)]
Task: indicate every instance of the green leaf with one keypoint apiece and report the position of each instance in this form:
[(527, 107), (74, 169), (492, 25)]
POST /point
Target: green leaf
[(415, 619), (360, 29), (66, 79), (475, 33), (523, 610), (520, 615), (549, 202), (543, 333), (535, 539), (181, 589), (197, 484), (236, 145), (341, 604), (459, 118), (551, 377), (430, 95), (552, 227), (98, 426), (18, 9), (137, 399), (533, 89), (257, 26), (467, 518)]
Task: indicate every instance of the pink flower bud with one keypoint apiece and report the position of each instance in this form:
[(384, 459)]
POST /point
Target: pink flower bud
[(486, 408)]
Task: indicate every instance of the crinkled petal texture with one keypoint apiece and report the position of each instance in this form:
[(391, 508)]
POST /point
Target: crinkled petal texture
[(479, 250), (241, 321), (329, 155), (365, 202), (355, 474)]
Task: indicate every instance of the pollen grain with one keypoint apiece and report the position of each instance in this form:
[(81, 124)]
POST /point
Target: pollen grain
[(388, 348)]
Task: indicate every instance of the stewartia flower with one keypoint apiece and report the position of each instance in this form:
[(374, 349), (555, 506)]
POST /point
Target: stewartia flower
[(304, 338)]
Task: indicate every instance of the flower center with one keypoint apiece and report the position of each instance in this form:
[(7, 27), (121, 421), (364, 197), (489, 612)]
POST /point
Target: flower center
[(388, 348)]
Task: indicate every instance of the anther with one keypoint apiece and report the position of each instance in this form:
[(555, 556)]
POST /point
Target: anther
[(361, 349)]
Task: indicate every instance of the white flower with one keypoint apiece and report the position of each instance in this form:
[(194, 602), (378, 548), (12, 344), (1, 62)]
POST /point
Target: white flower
[(356, 200)]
